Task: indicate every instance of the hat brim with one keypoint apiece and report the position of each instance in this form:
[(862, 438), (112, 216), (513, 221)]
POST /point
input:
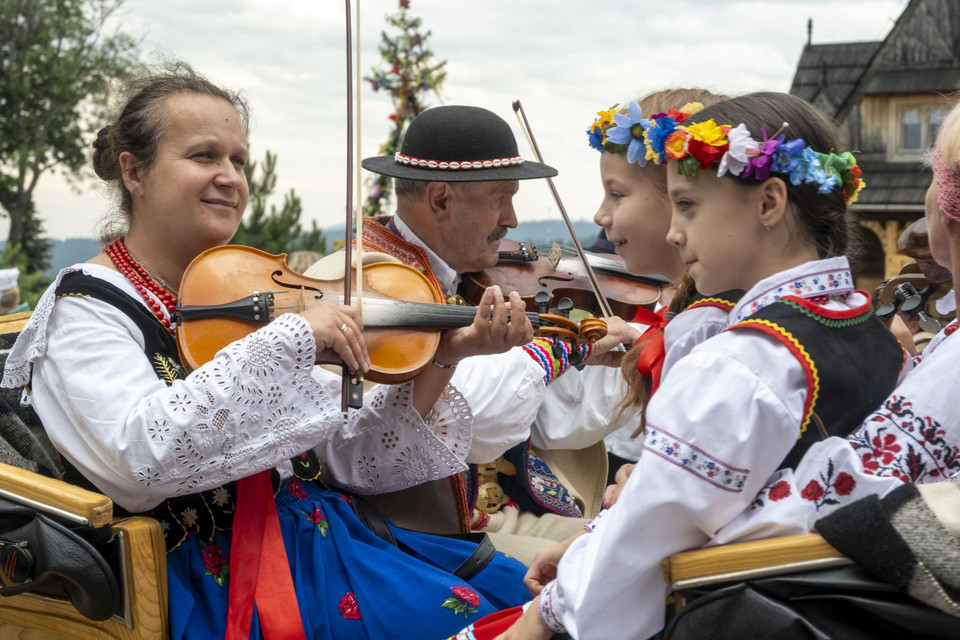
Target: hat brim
[(386, 165)]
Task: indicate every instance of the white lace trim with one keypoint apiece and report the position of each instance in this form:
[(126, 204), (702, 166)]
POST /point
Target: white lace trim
[(32, 342), (399, 461)]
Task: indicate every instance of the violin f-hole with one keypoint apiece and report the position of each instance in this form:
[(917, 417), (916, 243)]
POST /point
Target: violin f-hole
[(301, 286), (542, 280)]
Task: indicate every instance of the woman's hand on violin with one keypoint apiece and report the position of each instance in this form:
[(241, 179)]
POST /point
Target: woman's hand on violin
[(619, 332), (495, 329), (339, 329)]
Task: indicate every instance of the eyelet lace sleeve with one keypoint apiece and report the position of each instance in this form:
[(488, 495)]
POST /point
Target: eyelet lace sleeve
[(253, 407), (387, 446)]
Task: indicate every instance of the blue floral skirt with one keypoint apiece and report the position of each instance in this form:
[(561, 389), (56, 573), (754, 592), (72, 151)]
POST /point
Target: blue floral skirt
[(349, 582)]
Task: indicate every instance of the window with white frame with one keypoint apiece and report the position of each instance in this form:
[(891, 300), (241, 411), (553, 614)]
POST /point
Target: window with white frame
[(917, 126)]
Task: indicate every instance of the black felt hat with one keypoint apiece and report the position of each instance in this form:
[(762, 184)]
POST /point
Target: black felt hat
[(458, 144)]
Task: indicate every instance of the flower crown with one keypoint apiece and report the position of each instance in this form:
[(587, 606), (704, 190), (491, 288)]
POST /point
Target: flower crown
[(617, 132), (699, 146)]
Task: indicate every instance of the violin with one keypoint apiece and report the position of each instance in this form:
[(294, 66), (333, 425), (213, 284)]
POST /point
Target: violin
[(522, 268), (230, 291)]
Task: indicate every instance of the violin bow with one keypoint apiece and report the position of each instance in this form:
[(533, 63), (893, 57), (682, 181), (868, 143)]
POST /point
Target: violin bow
[(351, 391), (525, 127)]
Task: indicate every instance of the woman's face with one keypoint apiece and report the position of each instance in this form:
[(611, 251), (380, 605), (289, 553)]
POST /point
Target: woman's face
[(194, 194), (636, 217)]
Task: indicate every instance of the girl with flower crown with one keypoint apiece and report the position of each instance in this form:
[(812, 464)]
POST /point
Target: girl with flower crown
[(914, 435), (760, 206)]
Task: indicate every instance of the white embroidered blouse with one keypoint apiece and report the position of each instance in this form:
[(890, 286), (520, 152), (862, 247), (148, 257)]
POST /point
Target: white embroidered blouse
[(257, 404), (724, 417)]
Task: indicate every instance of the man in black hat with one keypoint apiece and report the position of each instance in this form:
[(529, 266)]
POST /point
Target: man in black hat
[(456, 173)]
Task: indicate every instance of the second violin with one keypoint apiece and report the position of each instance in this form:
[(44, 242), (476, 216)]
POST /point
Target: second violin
[(524, 269)]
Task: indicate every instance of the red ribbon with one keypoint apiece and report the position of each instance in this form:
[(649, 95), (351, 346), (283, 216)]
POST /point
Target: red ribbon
[(651, 357), (259, 569)]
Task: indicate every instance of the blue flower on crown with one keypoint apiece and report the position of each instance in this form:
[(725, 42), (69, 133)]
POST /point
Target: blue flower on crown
[(629, 131), (595, 138)]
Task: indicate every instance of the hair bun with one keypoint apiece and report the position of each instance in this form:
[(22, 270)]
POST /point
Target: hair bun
[(104, 162)]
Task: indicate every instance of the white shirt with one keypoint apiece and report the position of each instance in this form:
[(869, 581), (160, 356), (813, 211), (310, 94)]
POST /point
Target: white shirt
[(504, 391), (717, 428), (914, 436), (260, 402)]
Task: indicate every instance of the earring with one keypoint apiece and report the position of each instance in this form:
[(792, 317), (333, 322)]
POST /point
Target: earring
[(766, 225)]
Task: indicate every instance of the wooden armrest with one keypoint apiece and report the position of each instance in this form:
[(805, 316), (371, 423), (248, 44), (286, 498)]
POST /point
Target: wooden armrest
[(55, 496), (14, 322), (787, 551)]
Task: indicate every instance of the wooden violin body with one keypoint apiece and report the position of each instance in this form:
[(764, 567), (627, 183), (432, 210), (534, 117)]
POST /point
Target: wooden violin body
[(523, 269), (229, 291)]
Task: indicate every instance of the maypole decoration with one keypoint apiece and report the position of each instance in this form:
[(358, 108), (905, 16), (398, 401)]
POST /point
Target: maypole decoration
[(408, 72)]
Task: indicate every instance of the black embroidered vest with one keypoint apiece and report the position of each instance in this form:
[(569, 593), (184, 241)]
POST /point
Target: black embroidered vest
[(199, 513), (851, 359)]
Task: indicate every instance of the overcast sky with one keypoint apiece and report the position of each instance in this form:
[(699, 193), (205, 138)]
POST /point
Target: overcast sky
[(563, 59)]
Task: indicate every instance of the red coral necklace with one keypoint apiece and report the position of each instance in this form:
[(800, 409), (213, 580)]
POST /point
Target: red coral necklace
[(141, 279)]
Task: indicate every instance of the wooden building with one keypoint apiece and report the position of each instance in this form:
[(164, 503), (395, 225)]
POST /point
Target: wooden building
[(890, 97)]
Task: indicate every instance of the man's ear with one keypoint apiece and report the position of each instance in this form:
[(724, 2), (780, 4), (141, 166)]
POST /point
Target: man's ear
[(131, 172), (439, 199), (773, 202)]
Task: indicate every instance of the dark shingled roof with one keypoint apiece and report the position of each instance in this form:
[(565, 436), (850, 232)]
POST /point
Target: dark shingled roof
[(831, 71), (894, 183), (913, 81)]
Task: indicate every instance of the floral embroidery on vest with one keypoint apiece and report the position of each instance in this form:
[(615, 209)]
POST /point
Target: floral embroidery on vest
[(464, 601), (216, 564), (348, 607)]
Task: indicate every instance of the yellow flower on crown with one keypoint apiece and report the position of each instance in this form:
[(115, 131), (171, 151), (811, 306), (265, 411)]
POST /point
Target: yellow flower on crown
[(708, 132), (604, 120), (691, 108)]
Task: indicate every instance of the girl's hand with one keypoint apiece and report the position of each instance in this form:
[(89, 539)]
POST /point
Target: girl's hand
[(339, 329), (543, 569), (529, 626), (619, 332), (493, 329), (612, 492)]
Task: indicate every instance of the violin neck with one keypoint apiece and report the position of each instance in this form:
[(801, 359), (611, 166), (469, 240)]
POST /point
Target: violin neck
[(383, 312)]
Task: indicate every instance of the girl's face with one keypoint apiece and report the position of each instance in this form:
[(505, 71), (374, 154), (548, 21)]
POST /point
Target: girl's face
[(194, 193), (716, 226), (936, 233), (636, 217)]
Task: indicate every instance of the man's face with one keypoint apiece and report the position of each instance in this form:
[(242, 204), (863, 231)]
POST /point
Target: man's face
[(480, 215)]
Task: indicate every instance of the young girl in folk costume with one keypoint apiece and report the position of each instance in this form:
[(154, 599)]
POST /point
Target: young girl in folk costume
[(635, 215), (247, 432), (914, 435), (758, 205)]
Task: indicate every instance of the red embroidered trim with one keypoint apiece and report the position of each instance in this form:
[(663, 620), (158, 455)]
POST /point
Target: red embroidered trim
[(719, 303), (813, 307)]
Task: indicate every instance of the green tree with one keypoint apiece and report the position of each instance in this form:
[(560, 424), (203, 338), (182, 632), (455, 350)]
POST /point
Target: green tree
[(278, 231), (56, 65), (408, 72)]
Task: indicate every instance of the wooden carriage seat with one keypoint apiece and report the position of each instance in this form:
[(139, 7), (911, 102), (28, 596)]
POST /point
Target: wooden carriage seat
[(136, 548), (791, 588)]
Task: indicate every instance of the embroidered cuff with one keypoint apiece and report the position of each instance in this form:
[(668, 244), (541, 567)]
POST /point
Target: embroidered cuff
[(555, 357), (546, 609)]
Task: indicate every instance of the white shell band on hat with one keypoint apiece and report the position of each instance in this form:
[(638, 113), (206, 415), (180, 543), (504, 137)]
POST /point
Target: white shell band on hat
[(446, 165)]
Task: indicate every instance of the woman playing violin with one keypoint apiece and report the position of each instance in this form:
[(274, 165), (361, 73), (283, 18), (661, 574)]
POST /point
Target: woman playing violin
[(105, 378)]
